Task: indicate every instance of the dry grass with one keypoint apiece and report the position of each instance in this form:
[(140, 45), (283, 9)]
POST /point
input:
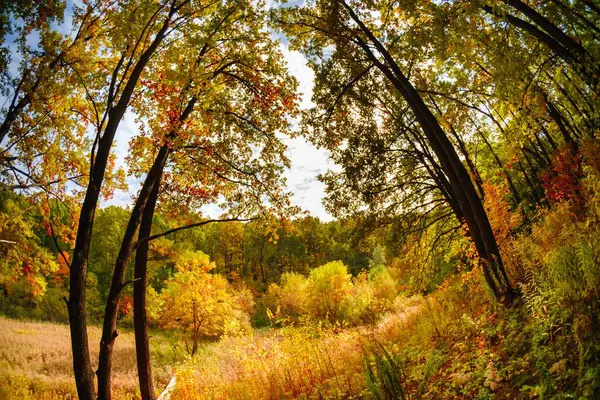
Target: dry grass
[(35, 361), (294, 362)]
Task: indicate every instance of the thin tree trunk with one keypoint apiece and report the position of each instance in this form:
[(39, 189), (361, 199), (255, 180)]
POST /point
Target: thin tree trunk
[(511, 184), (140, 325), (554, 31), (558, 119), (111, 312), (109, 328), (580, 16), (571, 54), (548, 136), (542, 36), (465, 153), (537, 197), (581, 111)]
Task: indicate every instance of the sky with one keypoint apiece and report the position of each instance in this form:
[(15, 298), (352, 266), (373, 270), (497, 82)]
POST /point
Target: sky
[(307, 162)]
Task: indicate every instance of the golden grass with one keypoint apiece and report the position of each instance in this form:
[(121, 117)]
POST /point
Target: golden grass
[(293, 362), (36, 363)]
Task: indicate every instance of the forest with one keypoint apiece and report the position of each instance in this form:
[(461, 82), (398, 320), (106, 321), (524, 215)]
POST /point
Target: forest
[(153, 247)]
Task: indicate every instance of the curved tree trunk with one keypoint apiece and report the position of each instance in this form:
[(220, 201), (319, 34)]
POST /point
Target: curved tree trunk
[(464, 190)]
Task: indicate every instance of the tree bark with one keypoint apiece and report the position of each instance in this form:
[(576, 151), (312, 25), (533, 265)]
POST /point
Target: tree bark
[(109, 327), (84, 376), (111, 312), (140, 325)]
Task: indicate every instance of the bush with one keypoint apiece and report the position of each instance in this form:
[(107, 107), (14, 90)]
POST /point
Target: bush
[(330, 294)]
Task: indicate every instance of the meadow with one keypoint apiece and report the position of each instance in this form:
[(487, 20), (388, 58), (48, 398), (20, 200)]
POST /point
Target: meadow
[(36, 363), (454, 343)]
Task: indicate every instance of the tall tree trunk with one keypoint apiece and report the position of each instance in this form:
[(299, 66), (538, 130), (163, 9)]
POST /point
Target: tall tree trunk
[(260, 261), (84, 375), (465, 153), (140, 324), (580, 110), (111, 312), (548, 136), (534, 191), (436, 173), (464, 190)]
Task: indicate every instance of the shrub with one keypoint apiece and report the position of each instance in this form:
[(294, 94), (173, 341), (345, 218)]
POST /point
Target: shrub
[(327, 287)]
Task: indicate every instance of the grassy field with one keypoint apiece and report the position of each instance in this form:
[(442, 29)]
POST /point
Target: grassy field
[(306, 362), (35, 361), (456, 343)]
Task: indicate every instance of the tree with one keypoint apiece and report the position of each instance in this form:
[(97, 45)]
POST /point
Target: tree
[(25, 258), (209, 133), (201, 304), (552, 36), (140, 39), (351, 29), (327, 287)]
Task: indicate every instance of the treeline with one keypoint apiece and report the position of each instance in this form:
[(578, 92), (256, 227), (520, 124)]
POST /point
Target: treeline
[(249, 252)]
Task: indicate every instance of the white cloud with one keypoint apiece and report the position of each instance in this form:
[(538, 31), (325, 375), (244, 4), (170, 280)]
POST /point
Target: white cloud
[(298, 67), (306, 160), (127, 130)]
